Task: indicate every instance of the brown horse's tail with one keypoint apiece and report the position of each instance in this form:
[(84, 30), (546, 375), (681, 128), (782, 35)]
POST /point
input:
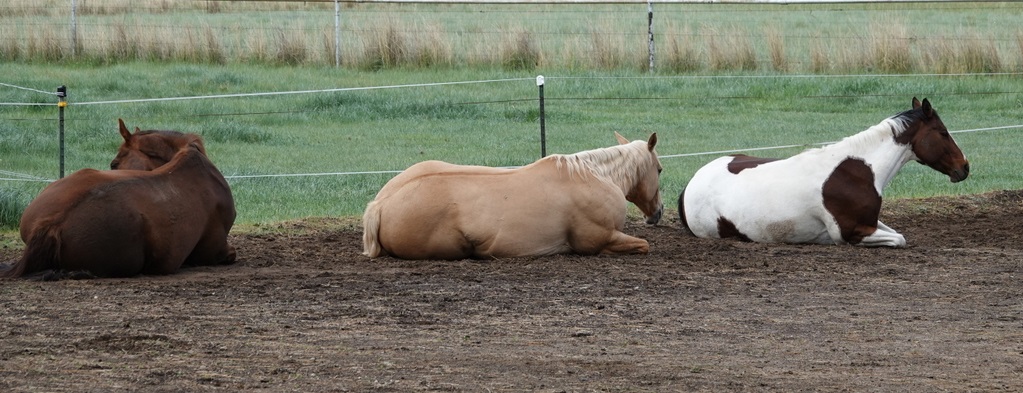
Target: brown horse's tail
[(371, 230), (40, 253)]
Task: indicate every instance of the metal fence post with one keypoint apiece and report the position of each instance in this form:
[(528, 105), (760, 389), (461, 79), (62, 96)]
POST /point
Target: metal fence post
[(61, 103), (543, 126)]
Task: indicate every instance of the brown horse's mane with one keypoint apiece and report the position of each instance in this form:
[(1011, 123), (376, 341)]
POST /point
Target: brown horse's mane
[(188, 137)]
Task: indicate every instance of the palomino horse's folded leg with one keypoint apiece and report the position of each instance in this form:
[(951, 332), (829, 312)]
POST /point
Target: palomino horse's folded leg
[(884, 237), (621, 243)]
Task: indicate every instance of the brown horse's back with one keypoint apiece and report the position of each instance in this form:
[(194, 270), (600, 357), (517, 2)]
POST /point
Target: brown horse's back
[(126, 222)]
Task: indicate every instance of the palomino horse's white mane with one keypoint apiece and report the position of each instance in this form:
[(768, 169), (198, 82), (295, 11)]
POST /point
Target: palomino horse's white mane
[(616, 164)]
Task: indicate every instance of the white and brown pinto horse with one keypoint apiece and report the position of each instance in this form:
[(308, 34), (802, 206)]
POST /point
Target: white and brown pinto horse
[(559, 204), (163, 205), (829, 195)]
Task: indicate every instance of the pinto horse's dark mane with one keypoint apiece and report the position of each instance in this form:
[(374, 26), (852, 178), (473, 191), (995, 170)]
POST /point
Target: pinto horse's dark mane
[(911, 116)]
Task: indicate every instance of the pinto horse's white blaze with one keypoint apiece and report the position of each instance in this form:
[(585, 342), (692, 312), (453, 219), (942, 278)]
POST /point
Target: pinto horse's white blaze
[(830, 195)]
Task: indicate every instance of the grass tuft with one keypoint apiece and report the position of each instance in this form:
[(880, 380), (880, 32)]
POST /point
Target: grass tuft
[(730, 51), (776, 49), (682, 54), (890, 50), (519, 51), (11, 206)]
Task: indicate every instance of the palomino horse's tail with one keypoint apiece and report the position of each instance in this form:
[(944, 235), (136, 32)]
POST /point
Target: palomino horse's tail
[(371, 230), (40, 253)]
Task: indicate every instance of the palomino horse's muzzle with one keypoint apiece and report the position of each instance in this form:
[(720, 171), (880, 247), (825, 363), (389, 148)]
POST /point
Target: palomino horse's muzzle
[(656, 217)]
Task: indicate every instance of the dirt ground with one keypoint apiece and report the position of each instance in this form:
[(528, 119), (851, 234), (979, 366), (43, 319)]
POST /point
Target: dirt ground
[(304, 311)]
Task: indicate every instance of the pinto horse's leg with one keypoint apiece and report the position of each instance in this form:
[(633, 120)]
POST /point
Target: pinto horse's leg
[(621, 243), (884, 237)]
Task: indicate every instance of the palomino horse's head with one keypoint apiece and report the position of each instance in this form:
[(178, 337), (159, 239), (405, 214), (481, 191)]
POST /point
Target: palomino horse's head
[(646, 191), (148, 150), (931, 143)]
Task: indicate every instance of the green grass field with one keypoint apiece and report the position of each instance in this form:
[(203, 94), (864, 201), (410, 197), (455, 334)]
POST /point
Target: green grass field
[(727, 76), (493, 123)]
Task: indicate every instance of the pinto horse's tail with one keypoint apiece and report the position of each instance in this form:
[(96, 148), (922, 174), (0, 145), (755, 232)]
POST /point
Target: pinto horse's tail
[(682, 212), (371, 230), (40, 253)]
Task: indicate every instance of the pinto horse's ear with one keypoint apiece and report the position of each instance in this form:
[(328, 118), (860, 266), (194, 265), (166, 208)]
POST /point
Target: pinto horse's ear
[(927, 108), (650, 143), (124, 130), (621, 139), (916, 103)]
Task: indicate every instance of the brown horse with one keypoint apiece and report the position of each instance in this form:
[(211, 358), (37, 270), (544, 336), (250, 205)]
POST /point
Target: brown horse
[(558, 204), (133, 220)]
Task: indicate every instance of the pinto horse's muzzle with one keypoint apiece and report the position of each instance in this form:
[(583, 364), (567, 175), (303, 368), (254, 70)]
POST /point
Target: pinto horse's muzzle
[(959, 174)]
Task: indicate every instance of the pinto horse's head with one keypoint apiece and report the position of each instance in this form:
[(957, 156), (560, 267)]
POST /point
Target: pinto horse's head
[(148, 150), (646, 193), (931, 143)]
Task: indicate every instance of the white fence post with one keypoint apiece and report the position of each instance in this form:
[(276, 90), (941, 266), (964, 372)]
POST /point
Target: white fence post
[(337, 33), (74, 28), (650, 31)]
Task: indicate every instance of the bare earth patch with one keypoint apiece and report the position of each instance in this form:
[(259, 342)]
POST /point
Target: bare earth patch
[(304, 311)]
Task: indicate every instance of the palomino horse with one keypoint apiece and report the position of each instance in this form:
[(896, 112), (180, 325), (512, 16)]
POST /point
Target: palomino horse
[(558, 204), (129, 221), (830, 195)]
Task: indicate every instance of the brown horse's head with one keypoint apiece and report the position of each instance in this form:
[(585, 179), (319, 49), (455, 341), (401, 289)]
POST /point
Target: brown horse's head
[(646, 192), (931, 142), (148, 150)]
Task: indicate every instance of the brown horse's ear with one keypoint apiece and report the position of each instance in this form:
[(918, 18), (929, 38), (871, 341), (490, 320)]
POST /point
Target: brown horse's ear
[(651, 142), (124, 130), (621, 139), (196, 142), (916, 103)]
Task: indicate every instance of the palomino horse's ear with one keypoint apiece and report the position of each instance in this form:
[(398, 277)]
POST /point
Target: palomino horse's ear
[(124, 130), (621, 139), (651, 142)]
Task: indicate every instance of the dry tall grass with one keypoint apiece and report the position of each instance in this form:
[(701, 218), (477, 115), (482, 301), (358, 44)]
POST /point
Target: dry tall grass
[(776, 49), (681, 55), (890, 49), (519, 51), (730, 50), (392, 40), (608, 51)]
